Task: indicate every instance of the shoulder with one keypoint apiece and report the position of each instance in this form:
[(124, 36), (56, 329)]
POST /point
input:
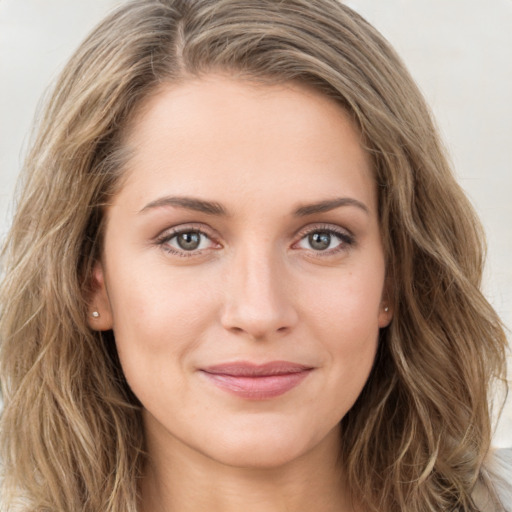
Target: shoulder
[(496, 478)]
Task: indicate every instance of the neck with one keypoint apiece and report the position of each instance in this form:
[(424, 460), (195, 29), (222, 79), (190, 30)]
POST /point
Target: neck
[(179, 479)]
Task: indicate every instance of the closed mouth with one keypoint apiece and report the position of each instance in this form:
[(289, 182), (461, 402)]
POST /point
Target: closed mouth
[(257, 381)]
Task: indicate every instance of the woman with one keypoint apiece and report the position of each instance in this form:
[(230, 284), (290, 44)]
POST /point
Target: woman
[(241, 274)]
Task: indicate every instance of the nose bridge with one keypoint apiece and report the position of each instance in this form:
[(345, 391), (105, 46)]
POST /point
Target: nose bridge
[(258, 300)]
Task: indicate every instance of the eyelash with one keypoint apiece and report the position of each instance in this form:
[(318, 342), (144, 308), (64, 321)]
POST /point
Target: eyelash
[(346, 239)]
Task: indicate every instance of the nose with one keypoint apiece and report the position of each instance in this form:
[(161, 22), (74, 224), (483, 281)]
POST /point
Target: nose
[(258, 297)]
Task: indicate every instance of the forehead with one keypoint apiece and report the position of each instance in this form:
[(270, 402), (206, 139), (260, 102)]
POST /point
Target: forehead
[(237, 138)]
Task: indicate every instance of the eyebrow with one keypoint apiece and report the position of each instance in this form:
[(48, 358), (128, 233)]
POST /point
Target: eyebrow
[(190, 203), (214, 208), (328, 205)]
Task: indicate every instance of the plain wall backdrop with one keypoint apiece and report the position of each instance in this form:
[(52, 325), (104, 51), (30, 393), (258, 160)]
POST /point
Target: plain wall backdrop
[(459, 51)]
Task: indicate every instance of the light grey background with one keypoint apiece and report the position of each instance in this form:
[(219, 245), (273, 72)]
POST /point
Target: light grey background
[(459, 51)]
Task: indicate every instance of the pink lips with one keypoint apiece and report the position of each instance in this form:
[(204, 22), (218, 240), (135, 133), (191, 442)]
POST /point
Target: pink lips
[(257, 382)]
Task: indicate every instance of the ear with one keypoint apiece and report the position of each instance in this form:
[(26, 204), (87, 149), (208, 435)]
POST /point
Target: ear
[(99, 316), (386, 307)]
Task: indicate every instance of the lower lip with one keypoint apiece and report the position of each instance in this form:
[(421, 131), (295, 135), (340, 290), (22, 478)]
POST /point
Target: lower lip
[(260, 387)]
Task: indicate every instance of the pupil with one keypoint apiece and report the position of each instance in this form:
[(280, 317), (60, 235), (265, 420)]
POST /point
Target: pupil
[(320, 241), (189, 241)]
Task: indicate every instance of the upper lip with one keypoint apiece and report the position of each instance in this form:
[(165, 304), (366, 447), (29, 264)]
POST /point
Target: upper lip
[(248, 369)]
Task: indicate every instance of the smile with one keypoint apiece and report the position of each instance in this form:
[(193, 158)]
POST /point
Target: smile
[(257, 382)]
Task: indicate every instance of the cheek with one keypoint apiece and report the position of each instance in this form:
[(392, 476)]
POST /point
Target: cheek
[(345, 315), (159, 318), (348, 301)]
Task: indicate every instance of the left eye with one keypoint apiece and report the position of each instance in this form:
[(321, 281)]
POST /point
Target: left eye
[(188, 241), (321, 240)]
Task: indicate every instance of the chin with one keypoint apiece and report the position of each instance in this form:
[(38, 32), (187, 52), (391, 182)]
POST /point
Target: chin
[(266, 448), (259, 456)]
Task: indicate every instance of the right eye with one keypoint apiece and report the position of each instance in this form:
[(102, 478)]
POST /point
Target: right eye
[(186, 242)]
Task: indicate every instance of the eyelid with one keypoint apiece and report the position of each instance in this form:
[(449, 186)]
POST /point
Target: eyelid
[(323, 226), (183, 228)]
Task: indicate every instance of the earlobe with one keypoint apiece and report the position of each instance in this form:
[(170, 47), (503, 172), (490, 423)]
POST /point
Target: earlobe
[(385, 315), (99, 316), (385, 309)]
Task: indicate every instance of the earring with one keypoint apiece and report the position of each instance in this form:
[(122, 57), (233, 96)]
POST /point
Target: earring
[(386, 309), (95, 314)]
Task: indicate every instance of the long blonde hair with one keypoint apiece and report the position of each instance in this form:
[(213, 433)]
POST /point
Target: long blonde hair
[(71, 435)]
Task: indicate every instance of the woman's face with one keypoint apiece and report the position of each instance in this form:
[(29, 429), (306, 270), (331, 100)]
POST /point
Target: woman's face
[(243, 271)]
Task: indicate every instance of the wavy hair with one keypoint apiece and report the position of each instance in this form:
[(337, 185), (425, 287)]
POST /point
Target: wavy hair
[(71, 430)]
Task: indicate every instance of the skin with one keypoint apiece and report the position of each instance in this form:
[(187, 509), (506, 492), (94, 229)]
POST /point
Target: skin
[(256, 290)]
